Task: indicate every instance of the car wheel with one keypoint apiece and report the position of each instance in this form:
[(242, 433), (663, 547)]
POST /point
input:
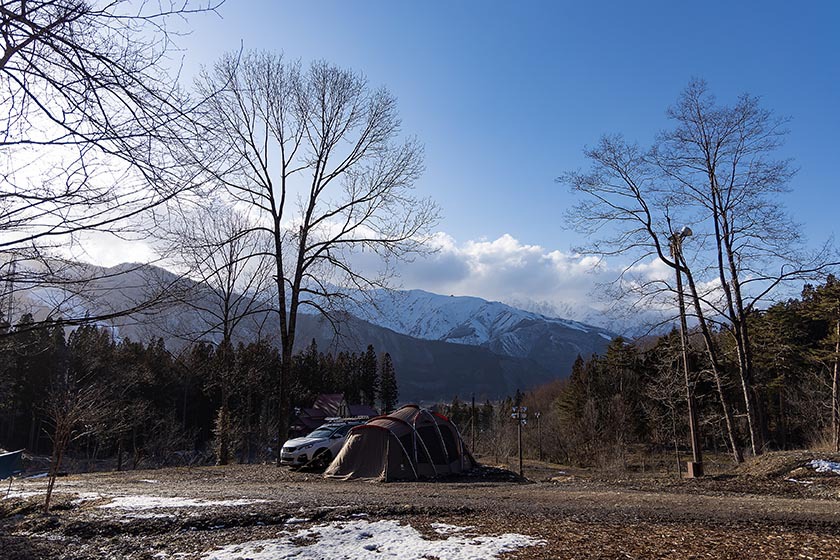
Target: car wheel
[(322, 458)]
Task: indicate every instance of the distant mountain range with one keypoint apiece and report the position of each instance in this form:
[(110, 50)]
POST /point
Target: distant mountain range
[(551, 342), (441, 345)]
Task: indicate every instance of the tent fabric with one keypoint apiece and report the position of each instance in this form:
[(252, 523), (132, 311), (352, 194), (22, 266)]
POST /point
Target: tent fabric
[(10, 464), (408, 444)]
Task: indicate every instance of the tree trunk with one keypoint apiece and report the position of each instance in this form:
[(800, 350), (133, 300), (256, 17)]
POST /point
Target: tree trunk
[(283, 401), (716, 369), (62, 437), (835, 391), (782, 419), (736, 317)]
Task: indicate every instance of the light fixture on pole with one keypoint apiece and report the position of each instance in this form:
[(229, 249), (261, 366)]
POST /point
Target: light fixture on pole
[(695, 466), (520, 414)]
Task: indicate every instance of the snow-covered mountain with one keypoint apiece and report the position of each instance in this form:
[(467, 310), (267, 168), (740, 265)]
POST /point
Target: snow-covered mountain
[(462, 319), (550, 341)]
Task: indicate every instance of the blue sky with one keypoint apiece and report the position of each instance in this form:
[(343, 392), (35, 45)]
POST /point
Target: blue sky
[(504, 95)]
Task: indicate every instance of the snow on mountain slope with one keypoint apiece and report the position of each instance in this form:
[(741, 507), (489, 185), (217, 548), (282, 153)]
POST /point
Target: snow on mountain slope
[(461, 319), (552, 342)]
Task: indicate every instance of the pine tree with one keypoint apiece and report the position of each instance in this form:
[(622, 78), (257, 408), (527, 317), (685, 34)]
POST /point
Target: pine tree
[(388, 391), (369, 376), (823, 303)]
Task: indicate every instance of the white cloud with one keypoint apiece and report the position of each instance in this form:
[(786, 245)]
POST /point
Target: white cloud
[(508, 270), (105, 249)]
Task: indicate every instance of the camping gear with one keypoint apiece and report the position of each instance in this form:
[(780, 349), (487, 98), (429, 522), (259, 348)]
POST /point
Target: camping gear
[(409, 444), (10, 465)]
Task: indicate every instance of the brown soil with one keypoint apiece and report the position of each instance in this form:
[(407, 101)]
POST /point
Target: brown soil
[(751, 512)]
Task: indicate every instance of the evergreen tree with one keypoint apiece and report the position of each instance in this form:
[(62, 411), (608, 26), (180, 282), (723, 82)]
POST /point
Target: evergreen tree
[(823, 303), (388, 391), (368, 376)]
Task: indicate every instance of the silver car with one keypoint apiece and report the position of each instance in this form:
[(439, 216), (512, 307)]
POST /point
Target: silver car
[(319, 447)]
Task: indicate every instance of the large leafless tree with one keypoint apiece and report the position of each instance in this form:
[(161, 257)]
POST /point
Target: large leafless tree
[(90, 117), (715, 170), (316, 156), (722, 160), (625, 212)]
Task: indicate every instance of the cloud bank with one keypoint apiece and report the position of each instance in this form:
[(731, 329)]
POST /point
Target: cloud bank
[(531, 277), (505, 269)]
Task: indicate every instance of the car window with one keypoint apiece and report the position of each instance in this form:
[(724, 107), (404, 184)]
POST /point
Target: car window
[(344, 429), (321, 433)]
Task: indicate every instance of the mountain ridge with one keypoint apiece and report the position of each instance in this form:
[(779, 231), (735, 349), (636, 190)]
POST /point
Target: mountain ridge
[(441, 345)]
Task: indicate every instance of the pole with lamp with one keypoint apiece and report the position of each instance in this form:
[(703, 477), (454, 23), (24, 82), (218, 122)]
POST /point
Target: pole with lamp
[(695, 466), (520, 414)]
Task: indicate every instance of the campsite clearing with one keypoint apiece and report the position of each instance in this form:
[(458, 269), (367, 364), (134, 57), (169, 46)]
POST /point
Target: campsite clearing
[(262, 511)]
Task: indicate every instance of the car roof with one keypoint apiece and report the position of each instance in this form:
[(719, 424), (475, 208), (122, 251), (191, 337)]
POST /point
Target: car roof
[(340, 424)]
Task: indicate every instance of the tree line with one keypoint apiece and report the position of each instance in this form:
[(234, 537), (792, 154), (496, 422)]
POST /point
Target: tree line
[(628, 407), (117, 403)]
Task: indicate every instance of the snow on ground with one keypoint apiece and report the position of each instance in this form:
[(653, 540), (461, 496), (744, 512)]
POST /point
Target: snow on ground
[(822, 466), (797, 481), (150, 515), (141, 502), (16, 494), (360, 540), (445, 529)]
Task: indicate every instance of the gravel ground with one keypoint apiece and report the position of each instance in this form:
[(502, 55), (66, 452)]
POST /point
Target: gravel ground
[(749, 514)]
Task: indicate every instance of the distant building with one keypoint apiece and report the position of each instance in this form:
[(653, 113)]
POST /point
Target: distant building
[(327, 406)]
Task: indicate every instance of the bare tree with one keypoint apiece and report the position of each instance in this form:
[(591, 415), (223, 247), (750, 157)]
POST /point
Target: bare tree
[(627, 213), (73, 407), (719, 159), (316, 156), (715, 170), (89, 126), (220, 249)]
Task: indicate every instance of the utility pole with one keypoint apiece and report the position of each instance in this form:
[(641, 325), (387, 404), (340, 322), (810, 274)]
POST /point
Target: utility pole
[(472, 424), (695, 466), (539, 435), (521, 417)]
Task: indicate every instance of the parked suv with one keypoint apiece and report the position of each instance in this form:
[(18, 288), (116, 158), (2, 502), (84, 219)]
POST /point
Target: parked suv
[(319, 447)]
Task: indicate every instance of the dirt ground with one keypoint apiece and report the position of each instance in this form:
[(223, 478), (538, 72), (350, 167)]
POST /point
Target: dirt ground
[(771, 508)]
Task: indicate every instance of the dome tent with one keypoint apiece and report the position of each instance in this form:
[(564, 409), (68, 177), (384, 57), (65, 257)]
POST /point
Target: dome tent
[(408, 444)]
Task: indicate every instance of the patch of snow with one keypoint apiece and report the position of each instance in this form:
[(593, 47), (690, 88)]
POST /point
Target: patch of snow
[(39, 475), (446, 529), (21, 494), (151, 515), (153, 502), (360, 540), (148, 481), (87, 497), (822, 466), (295, 520), (805, 482)]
